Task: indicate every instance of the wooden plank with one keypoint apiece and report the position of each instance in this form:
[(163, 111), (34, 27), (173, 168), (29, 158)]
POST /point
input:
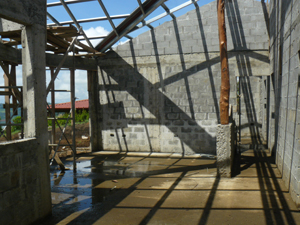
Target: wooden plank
[(11, 43), (10, 106), (56, 41), (11, 34), (58, 161), (5, 93), (85, 47), (67, 35), (60, 29), (91, 54)]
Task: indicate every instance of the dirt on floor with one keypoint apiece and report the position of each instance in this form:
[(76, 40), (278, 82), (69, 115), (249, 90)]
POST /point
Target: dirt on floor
[(81, 136)]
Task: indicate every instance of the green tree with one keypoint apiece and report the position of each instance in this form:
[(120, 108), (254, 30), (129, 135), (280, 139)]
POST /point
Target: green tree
[(17, 119)]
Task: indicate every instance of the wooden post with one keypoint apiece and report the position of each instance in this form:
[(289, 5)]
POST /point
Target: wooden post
[(72, 84), (53, 109), (7, 108), (225, 85)]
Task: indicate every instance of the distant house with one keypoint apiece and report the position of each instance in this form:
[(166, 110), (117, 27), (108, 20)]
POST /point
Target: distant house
[(65, 107)]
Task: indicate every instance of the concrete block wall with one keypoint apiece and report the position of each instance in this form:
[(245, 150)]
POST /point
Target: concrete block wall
[(160, 91), (284, 55), (21, 188)]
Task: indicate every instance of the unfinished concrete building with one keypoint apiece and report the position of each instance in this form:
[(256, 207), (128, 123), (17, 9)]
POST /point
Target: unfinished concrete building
[(157, 95)]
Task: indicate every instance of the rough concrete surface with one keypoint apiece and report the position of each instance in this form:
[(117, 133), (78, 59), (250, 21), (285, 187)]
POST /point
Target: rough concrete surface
[(139, 188), (283, 101), (225, 150), (159, 92)]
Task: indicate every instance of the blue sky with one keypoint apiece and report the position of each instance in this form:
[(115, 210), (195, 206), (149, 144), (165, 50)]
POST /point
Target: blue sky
[(114, 7), (91, 10)]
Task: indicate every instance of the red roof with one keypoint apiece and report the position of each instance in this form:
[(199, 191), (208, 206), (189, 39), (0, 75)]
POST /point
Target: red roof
[(81, 104)]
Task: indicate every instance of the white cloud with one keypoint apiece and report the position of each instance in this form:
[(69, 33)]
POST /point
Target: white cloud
[(95, 31), (62, 82)]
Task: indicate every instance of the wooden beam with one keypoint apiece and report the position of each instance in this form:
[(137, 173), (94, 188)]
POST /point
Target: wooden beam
[(11, 43), (11, 34), (78, 63), (56, 41), (85, 47), (10, 54), (10, 77), (225, 84), (91, 54)]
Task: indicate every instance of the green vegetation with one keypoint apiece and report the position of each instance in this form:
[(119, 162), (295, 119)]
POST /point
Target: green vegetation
[(80, 117), (16, 119)]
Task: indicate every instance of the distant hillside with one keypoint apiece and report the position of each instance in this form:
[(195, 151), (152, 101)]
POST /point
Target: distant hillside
[(2, 113)]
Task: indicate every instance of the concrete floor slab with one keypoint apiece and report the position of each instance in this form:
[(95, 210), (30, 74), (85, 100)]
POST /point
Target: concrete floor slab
[(126, 216), (142, 198), (121, 189)]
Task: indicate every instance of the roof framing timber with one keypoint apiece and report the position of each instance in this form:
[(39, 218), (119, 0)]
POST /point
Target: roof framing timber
[(67, 2), (129, 23), (123, 16), (11, 54)]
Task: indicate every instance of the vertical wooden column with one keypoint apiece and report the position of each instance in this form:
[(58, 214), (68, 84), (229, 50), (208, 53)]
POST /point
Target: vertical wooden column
[(13, 82), (7, 106), (72, 84), (225, 84), (53, 109)]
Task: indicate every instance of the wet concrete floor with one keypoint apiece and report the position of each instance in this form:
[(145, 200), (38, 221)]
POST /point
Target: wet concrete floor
[(112, 188)]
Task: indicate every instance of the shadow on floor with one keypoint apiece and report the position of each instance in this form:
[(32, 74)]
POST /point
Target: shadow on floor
[(165, 189)]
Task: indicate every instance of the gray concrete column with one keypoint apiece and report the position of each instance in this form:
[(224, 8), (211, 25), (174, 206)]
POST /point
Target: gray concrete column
[(34, 104), (95, 112)]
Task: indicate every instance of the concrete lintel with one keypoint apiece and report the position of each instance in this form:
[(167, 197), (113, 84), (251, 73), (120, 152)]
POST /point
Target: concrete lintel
[(6, 25), (71, 62), (25, 12), (225, 150), (10, 54)]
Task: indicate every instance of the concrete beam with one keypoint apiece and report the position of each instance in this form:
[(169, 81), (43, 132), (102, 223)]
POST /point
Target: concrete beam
[(24, 12), (6, 25), (78, 63), (11, 54)]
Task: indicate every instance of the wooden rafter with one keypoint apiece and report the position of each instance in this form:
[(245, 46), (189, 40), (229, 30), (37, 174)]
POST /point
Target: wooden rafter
[(58, 40)]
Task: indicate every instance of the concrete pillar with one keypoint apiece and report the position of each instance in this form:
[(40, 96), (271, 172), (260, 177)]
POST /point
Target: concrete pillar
[(225, 150), (34, 104), (95, 112)]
